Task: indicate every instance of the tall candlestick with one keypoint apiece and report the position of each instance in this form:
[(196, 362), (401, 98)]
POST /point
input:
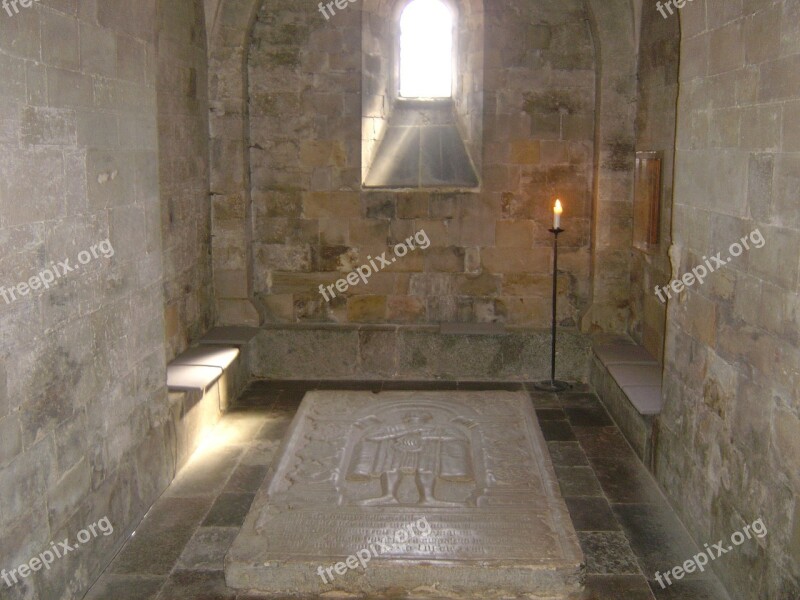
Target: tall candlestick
[(557, 210), (554, 385)]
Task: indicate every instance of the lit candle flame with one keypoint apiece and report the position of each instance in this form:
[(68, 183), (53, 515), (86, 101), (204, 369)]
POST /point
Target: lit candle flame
[(557, 210)]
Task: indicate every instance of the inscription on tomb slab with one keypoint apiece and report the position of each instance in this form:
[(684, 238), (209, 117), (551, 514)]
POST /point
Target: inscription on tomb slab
[(356, 467)]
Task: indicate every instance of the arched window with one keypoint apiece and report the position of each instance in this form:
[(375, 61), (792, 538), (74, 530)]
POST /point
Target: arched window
[(426, 50)]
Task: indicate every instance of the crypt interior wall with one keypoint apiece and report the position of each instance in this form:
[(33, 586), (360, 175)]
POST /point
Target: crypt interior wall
[(103, 134), (83, 399), (729, 436), (90, 141), (657, 97), (490, 255), (183, 135)]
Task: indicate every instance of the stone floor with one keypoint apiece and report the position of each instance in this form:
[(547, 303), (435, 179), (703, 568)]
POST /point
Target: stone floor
[(625, 526)]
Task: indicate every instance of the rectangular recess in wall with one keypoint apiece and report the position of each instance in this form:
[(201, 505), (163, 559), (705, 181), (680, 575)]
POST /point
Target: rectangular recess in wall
[(647, 201)]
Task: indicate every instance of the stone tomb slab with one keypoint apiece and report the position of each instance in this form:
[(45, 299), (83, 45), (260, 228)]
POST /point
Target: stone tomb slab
[(447, 492)]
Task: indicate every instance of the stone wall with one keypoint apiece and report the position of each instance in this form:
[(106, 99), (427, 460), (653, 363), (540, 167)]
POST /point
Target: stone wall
[(229, 144), (84, 424), (659, 50), (490, 255), (184, 172), (377, 103), (615, 138), (729, 445)]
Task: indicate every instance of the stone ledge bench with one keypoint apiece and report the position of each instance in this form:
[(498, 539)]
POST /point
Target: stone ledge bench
[(204, 380), (628, 380)]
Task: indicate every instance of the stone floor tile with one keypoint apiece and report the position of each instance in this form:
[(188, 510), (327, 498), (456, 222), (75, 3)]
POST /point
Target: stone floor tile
[(588, 417), (578, 481), (206, 550), (545, 400), (625, 480), (573, 399), (550, 414), (260, 454), (615, 587), (206, 473), (617, 539), (608, 553), (196, 585), (159, 540), (247, 478), (557, 431), (239, 427), (578, 387), (567, 454), (603, 441), (591, 514), (229, 510), (657, 537), (699, 589), (274, 427), (125, 587)]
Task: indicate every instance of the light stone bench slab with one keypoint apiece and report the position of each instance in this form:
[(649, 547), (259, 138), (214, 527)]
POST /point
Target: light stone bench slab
[(628, 380), (203, 381)]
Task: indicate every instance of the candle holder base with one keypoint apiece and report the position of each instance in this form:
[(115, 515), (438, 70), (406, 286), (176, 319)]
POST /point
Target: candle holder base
[(551, 386)]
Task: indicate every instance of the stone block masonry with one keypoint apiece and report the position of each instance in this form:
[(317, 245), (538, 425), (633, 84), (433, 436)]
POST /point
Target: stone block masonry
[(46, 559), (727, 449), (710, 265), (364, 272), (85, 425), (490, 254), (56, 271)]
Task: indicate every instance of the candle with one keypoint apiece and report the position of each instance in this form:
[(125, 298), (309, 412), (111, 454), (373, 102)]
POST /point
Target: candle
[(557, 210)]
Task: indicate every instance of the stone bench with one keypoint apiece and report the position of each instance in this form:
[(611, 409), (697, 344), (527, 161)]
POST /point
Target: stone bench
[(203, 381), (416, 352), (628, 380)]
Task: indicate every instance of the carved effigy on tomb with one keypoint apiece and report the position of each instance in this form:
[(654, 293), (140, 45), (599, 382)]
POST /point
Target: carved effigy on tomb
[(355, 468)]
